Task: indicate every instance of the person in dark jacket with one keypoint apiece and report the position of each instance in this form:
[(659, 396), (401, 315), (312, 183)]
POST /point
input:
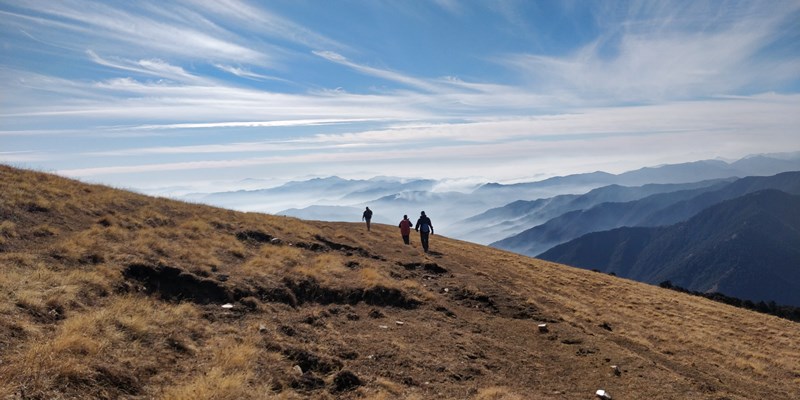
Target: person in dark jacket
[(367, 216), (425, 228), (405, 229)]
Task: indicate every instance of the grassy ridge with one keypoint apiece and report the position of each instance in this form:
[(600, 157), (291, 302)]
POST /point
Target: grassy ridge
[(109, 294)]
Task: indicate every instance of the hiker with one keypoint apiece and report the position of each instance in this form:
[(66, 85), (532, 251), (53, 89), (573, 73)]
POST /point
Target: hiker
[(424, 227), (367, 216), (405, 229)]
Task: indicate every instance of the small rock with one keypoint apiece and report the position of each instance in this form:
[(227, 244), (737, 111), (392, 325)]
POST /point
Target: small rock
[(543, 328), (399, 322), (275, 241), (616, 370), (298, 370), (602, 394), (376, 314), (383, 326), (227, 306), (262, 328)]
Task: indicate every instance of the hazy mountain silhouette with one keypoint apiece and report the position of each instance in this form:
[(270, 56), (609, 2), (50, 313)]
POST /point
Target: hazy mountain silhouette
[(753, 165), (747, 247), (318, 191), (328, 213), (393, 197), (513, 218), (655, 210)]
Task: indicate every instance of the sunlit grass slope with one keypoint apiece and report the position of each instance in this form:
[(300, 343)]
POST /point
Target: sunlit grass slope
[(109, 294)]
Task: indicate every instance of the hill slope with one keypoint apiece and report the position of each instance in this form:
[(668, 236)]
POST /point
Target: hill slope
[(109, 294), (748, 247)]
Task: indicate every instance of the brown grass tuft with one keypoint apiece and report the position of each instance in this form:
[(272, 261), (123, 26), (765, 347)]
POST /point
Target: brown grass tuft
[(497, 393), (229, 375), (8, 229)]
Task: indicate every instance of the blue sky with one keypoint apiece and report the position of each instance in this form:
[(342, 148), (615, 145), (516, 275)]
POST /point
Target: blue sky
[(163, 93)]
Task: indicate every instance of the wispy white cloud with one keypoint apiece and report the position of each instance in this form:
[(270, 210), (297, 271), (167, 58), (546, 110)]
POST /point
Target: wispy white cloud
[(246, 73), (664, 53), (103, 26), (262, 20), (378, 72), (250, 124), (201, 102), (314, 158), (13, 157), (451, 6), (153, 67)]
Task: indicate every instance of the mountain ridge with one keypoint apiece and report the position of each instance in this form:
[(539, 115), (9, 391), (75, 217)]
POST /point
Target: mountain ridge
[(518, 216), (747, 247), (655, 210)]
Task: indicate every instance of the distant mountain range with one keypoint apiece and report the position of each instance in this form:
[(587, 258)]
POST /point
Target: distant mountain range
[(655, 210), (756, 165), (516, 217), (338, 199), (747, 247), (331, 191)]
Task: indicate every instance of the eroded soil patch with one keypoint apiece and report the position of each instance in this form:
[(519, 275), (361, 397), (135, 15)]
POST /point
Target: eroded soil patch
[(175, 284), (308, 361), (500, 304), (310, 291), (253, 236), (328, 245), (429, 267)]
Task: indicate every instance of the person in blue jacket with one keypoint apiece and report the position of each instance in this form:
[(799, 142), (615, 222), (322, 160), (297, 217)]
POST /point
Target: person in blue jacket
[(367, 216), (425, 228)]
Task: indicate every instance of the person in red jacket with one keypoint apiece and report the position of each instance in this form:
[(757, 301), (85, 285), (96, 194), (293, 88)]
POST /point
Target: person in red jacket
[(405, 229)]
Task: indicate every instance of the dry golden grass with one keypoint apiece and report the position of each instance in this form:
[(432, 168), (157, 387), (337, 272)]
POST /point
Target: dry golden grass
[(8, 229), (75, 324), (271, 261), (496, 393), (229, 377)]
